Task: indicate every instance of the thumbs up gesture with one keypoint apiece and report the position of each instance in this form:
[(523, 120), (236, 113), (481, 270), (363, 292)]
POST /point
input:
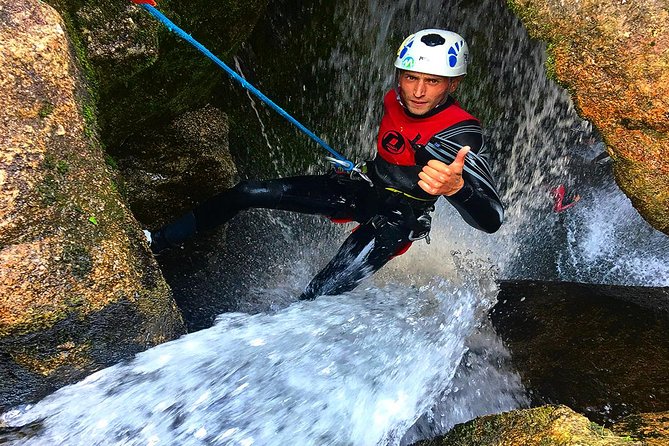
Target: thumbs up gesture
[(439, 178)]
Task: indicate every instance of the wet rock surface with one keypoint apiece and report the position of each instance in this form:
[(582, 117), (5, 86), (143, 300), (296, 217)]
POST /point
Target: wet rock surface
[(601, 350), (153, 92), (176, 166), (652, 429), (79, 289), (539, 426)]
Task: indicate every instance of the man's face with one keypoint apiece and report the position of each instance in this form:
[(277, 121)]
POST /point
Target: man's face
[(421, 92)]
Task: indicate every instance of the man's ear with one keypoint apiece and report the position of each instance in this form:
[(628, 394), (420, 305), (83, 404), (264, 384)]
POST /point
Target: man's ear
[(455, 82)]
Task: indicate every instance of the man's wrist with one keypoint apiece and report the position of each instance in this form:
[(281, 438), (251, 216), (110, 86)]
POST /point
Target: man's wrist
[(462, 195)]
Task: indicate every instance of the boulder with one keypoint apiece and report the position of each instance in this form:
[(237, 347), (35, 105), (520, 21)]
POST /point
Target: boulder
[(151, 86), (169, 169), (613, 58), (79, 288), (539, 426), (602, 350), (145, 74)]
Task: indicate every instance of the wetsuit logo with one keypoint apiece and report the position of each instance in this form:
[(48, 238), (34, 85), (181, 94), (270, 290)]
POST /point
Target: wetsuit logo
[(393, 142)]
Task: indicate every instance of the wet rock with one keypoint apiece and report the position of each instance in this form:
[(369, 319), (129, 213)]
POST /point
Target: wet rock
[(601, 350), (612, 56), (651, 429), (173, 167), (118, 36), (149, 84), (79, 289), (143, 73), (540, 426)]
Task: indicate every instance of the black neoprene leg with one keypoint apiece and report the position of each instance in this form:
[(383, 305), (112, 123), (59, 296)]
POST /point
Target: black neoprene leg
[(312, 194), (363, 253), (329, 195)]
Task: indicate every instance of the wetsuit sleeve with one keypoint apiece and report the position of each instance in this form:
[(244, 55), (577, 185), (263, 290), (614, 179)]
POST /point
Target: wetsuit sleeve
[(478, 201)]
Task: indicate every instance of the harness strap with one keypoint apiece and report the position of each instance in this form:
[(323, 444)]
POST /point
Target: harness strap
[(397, 191)]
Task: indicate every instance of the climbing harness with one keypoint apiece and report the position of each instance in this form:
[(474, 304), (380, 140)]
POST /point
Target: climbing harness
[(359, 169), (337, 159)]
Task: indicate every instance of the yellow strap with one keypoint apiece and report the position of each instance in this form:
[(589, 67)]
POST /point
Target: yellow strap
[(397, 191)]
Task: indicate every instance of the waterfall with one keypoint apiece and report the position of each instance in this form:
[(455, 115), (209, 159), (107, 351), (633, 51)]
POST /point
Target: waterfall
[(536, 138), (357, 369)]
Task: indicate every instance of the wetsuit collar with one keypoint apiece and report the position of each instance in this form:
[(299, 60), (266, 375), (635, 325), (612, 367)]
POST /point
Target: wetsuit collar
[(444, 105)]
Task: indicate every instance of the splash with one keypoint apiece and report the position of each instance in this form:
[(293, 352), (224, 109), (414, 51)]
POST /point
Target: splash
[(355, 369), (607, 242)]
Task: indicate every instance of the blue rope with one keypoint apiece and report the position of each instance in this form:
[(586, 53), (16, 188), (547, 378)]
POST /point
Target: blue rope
[(339, 159)]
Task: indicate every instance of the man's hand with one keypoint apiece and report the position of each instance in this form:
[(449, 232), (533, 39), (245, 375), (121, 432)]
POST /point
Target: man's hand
[(439, 178)]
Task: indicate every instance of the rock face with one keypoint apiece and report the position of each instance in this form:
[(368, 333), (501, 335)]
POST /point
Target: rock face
[(168, 169), (540, 426), (144, 73), (614, 59), (79, 289), (652, 429), (154, 91), (601, 350)]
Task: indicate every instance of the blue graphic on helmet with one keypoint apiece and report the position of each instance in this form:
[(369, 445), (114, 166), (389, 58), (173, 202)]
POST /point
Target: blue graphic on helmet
[(405, 49), (453, 53)]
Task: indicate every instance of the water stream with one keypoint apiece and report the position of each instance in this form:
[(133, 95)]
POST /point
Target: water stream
[(410, 352)]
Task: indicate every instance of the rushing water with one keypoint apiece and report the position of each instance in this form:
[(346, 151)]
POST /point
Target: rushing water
[(410, 352), (356, 369)]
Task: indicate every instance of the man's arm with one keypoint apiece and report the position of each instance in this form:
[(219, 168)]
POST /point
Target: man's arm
[(457, 171)]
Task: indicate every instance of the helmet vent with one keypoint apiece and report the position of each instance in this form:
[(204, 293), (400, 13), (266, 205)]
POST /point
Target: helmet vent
[(433, 40)]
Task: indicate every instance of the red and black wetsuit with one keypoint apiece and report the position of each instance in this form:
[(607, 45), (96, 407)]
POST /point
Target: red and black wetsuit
[(390, 214), (406, 142)]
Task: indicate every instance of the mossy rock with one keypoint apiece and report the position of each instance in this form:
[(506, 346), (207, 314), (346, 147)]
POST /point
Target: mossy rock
[(540, 426), (79, 288), (145, 74), (651, 429)]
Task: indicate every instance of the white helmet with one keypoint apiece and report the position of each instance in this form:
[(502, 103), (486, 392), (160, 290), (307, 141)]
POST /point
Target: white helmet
[(434, 51)]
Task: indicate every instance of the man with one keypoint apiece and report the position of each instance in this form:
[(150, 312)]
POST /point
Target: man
[(427, 147)]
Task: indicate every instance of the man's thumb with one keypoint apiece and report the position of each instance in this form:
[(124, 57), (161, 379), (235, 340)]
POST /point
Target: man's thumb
[(460, 157)]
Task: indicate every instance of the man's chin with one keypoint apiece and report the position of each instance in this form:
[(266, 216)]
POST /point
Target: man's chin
[(418, 111)]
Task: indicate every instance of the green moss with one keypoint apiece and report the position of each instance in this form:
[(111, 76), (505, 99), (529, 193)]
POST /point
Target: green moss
[(88, 112), (549, 65), (531, 18), (62, 167), (49, 190), (74, 302), (41, 320), (90, 121), (46, 109), (66, 9), (111, 161), (597, 429)]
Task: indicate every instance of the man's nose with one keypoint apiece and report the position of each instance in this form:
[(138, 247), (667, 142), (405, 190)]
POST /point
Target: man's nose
[(419, 89)]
